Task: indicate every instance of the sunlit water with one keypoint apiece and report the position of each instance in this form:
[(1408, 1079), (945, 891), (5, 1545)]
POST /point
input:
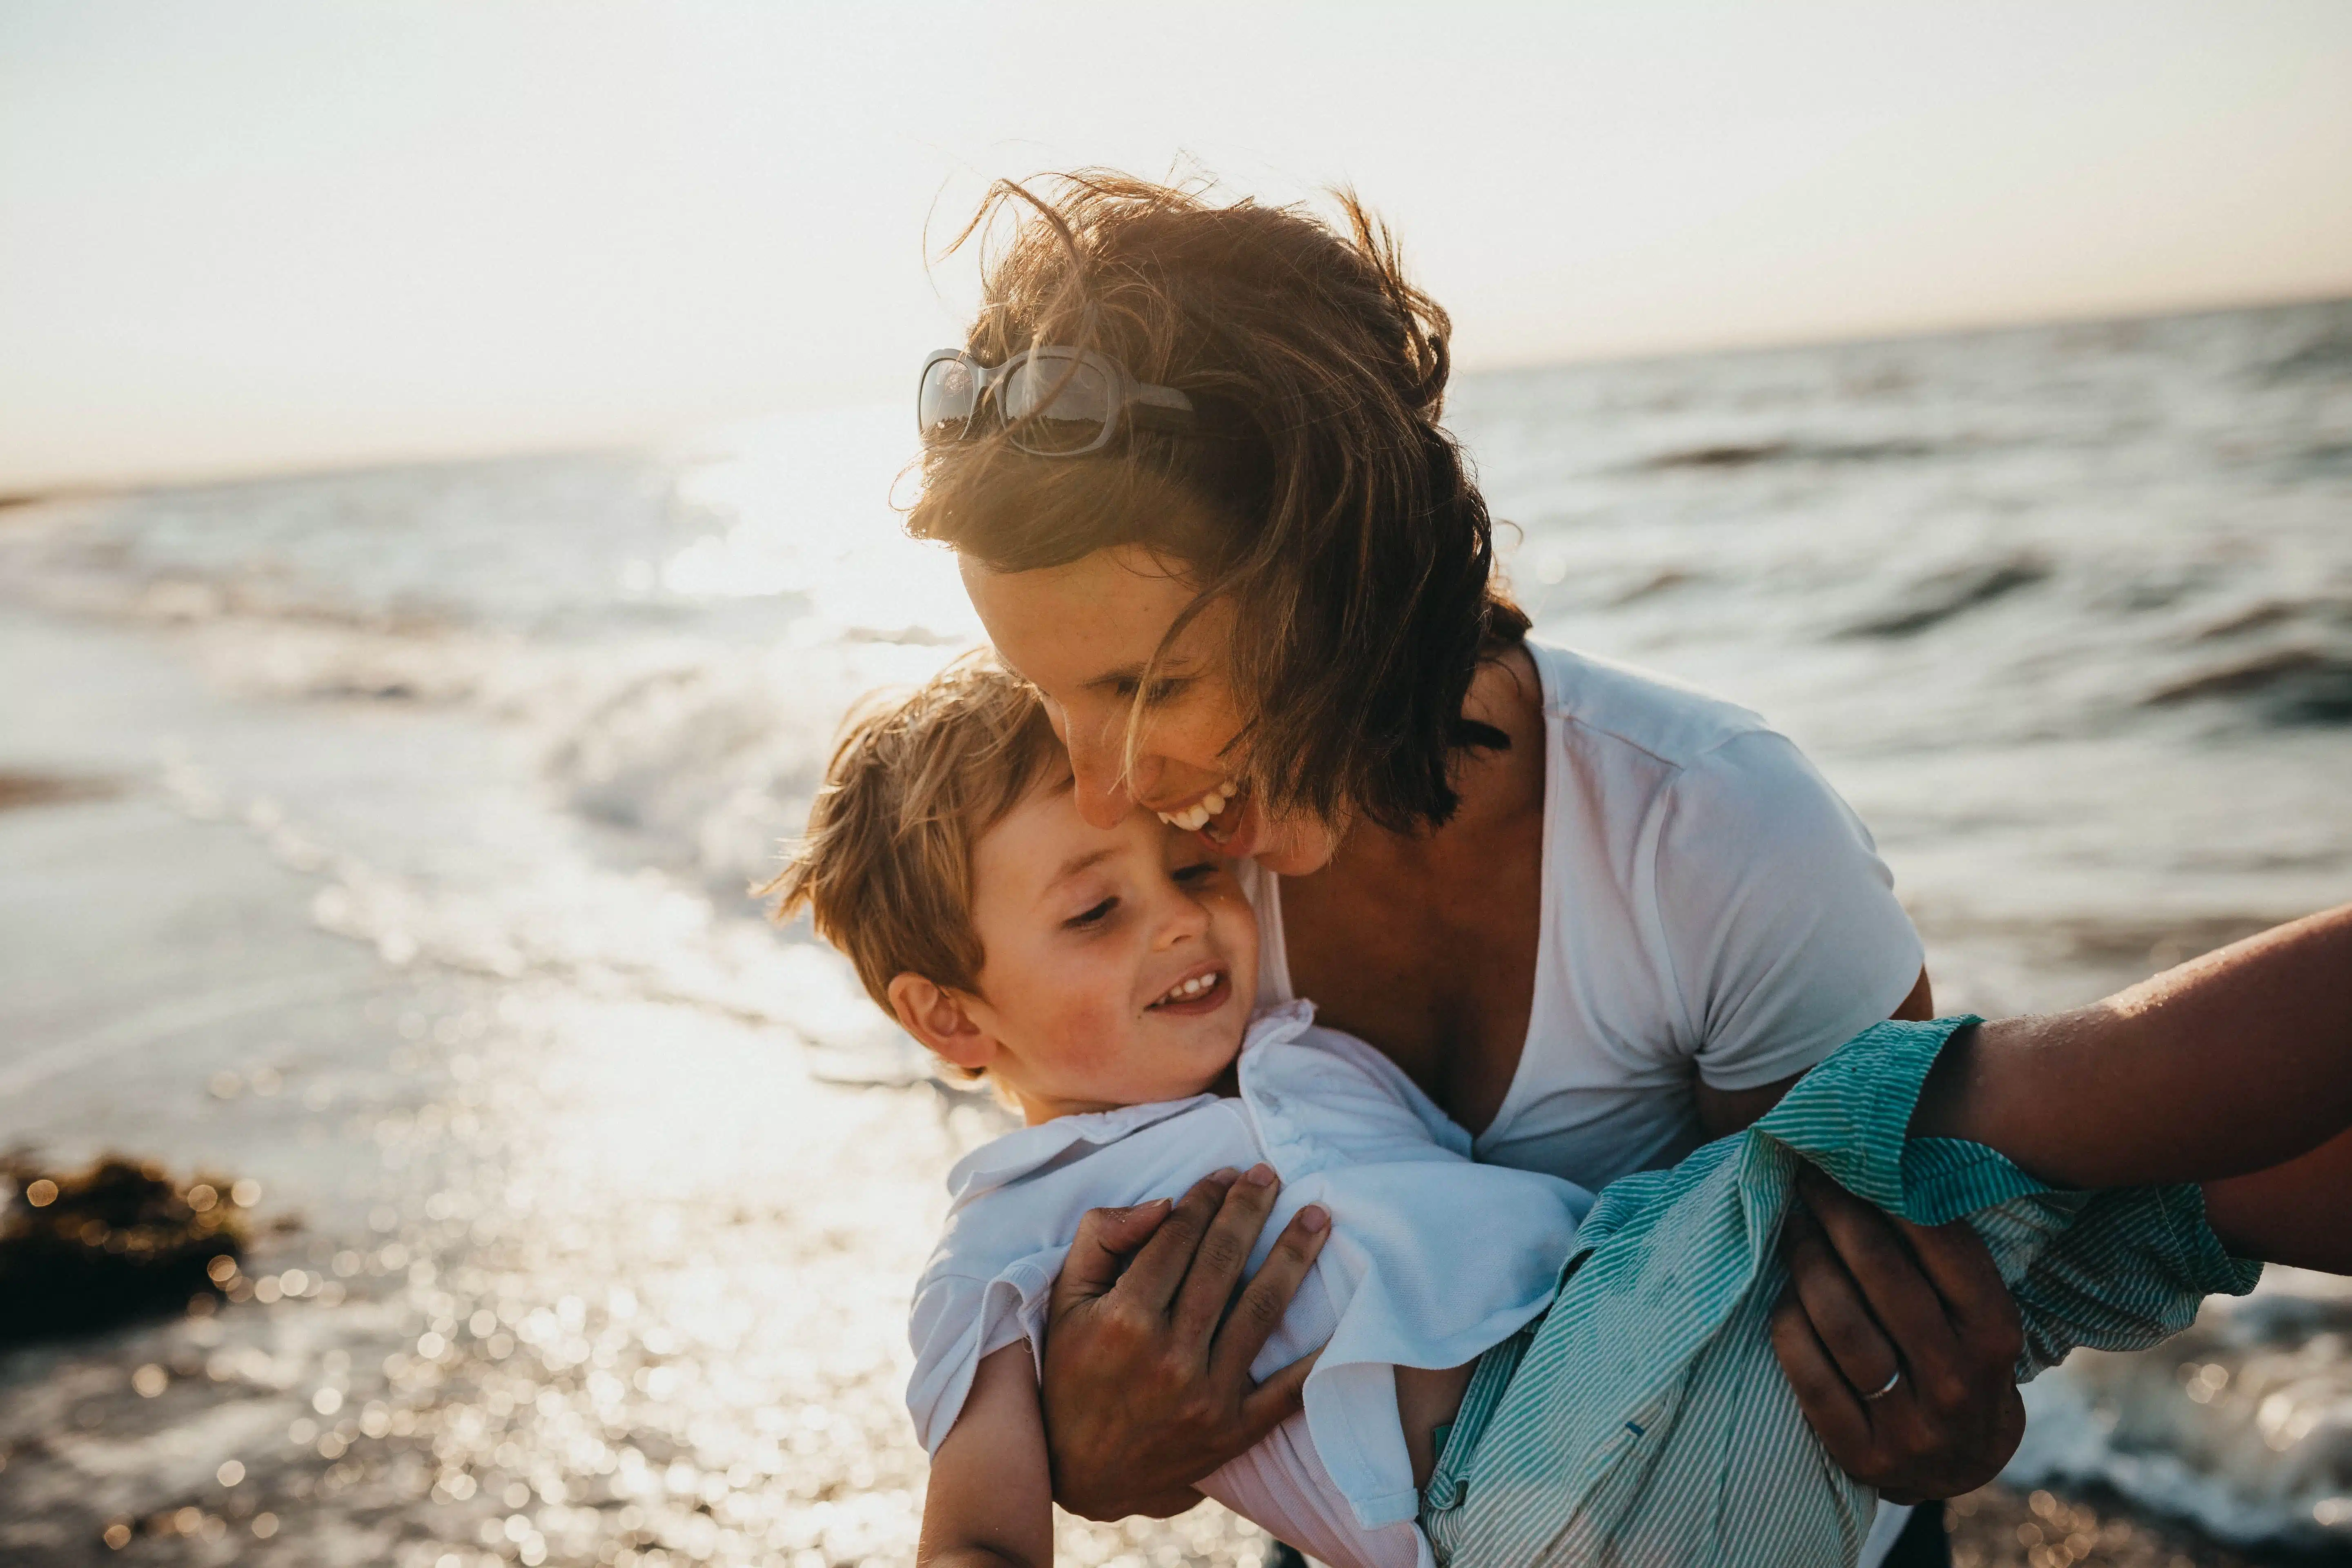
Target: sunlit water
[(420, 897)]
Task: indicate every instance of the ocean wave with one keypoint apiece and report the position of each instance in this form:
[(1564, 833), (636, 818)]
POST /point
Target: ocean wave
[(2328, 357), (2243, 1424), (1944, 594), (1745, 455), (705, 759), (2285, 687)]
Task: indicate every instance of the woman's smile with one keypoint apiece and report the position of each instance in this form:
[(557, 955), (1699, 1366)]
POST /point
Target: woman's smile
[(1202, 809)]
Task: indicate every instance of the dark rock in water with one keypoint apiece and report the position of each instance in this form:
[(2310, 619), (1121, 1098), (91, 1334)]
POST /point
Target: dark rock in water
[(1724, 457), (82, 1251), (1947, 594), (1733, 455), (49, 789), (2289, 686)]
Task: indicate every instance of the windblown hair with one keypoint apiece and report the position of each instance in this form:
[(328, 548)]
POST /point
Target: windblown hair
[(1321, 496), (885, 870)]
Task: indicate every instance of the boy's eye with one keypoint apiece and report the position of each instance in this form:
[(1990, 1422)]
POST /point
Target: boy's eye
[(1095, 915), (1196, 873)]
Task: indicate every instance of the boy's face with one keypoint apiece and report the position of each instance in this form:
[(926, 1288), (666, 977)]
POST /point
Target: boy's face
[(1119, 963)]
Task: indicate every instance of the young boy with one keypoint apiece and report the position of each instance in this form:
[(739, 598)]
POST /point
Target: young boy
[(1100, 978)]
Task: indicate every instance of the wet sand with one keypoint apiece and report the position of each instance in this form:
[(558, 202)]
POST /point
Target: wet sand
[(2000, 1527)]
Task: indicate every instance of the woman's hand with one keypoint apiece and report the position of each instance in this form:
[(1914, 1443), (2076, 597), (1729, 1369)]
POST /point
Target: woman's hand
[(1148, 1350), (1868, 1297)]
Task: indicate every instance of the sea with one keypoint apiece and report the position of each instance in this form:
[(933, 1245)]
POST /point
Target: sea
[(385, 840)]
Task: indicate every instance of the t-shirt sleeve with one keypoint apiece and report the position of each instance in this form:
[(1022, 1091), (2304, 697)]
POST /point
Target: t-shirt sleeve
[(1780, 930), (958, 1320)]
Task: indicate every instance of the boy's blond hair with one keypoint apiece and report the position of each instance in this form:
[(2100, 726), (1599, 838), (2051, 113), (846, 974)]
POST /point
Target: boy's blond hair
[(885, 870)]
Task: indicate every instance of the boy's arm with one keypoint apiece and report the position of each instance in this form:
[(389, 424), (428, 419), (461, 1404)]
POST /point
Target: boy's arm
[(2232, 1064), (991, 1500)]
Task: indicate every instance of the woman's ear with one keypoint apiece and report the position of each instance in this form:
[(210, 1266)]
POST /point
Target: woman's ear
[(938, 1017)]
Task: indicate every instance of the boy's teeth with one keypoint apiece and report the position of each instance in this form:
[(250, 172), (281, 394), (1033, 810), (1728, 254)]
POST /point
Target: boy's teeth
[(1185, 990)]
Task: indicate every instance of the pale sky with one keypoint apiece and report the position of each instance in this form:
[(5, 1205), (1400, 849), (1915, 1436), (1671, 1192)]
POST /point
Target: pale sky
[(237, 237)]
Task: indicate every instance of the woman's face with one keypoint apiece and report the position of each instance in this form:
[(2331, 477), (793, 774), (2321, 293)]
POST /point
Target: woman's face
[(1083, 634)]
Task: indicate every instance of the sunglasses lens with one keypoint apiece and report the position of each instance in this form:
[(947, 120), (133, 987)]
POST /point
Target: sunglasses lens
[(1057, 402), (944, 403)]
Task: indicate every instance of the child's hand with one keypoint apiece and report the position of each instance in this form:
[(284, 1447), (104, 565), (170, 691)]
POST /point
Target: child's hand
[(1148, 1348)]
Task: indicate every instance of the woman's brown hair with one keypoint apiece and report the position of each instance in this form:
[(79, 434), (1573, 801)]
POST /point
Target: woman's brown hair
[(1325, 500)]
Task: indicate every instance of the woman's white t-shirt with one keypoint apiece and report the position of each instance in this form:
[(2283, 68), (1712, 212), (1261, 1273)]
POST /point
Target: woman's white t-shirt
[(1711, 911)]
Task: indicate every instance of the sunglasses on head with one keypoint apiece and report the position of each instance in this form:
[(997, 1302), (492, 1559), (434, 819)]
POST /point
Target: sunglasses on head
[(1050, 401)]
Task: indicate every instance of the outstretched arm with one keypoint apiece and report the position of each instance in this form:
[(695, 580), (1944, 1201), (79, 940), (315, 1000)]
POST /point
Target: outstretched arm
[(2236, 1063), (990, 1500)]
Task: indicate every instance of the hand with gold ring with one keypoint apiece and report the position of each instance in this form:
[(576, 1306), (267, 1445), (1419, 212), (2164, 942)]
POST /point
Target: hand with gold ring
[(1900, 1343)]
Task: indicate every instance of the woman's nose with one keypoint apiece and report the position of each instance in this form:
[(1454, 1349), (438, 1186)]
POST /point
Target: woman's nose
[(1102, 787)]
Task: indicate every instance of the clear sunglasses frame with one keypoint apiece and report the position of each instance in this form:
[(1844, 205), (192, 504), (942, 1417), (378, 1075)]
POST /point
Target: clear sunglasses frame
[(1141, 405)]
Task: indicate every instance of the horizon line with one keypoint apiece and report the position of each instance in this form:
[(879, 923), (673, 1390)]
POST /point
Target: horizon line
[(662, 435)]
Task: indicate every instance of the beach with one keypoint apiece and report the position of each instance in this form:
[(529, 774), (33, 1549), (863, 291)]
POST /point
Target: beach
[(385, 840)]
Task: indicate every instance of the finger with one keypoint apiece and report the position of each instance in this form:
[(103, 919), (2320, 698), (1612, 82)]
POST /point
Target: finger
[(1258, 1310), (1277, 1399), (1222, 1254), (1835, 1309), (1979, 1304), (1106, 1239), (1151, 1280), (1908, 1310), (1828, 1401)]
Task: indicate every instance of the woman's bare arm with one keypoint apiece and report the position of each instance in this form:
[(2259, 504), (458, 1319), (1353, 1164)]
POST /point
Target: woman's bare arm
[(2233, 1063), (991, 1500)]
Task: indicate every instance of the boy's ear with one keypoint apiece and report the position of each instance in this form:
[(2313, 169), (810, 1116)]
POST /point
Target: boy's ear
[(938, 1017)]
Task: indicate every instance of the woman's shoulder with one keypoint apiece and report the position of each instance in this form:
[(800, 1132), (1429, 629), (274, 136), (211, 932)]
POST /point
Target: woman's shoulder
[(1680, 798), (1594, 703)]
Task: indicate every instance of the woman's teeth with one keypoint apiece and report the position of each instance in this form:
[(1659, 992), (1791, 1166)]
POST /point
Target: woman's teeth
[(1190, 990), (1196, 816)]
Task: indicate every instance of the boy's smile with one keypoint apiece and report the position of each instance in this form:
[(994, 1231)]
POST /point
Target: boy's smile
[(1119, 963)]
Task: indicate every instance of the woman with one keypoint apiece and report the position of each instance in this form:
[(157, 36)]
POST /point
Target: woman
[(1191, 461)]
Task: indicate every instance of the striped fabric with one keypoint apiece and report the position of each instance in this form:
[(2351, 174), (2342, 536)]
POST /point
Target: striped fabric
[(1647, 1424)]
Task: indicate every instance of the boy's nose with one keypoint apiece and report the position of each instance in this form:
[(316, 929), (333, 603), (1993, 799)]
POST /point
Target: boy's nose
[(1187, 919)]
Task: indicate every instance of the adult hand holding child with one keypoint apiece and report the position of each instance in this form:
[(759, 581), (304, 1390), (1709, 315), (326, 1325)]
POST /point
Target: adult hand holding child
[(1147, 1386), (1940, 1416)]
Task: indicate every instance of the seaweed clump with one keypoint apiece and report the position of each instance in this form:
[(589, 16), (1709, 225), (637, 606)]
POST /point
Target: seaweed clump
[(81, 1251)]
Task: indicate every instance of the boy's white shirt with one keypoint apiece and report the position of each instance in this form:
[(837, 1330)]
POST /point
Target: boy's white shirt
[(1431, 1260)]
